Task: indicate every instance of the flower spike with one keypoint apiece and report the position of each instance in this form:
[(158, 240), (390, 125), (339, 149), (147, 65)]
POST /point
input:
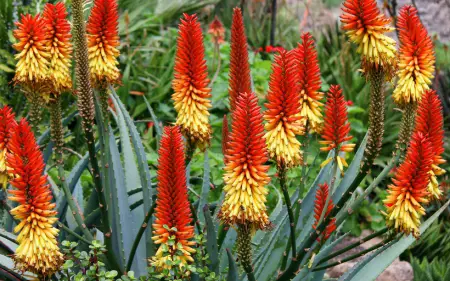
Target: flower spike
[(319, 205), (309, 79), (408, 191), (33, 52), (283, 111), (366, 26), (416, 57), (225, 136), (103, 40), (217, 31), (239, 81), (7, 127), (58, 35), (38, 250), (191, 97), (245, 173), (336, 129), (429, 121), (172, 212)]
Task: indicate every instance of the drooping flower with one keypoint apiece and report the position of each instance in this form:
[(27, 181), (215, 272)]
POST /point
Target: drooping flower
[(283, 118), (7, 127), (245, 173), (191, 97), (171, 228), (408, 191), (217, 31), (239, 81), (366, 26), (33, 52), (336, 127), (103, 40), (429, 121), (319, 206), (58, 35), (38, 250), (309, 79), (416, 57)]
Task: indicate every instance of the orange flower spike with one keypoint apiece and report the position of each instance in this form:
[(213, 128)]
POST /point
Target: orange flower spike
[(429, 121), (283, 118), (58, 35), (336, 127), (217, 31), (319, 205), (33, 52), (173, 214), (38, 250), (416, 57), (239, 81), (309, 77), (103, 40), (7, 127), (245, 171), (408, 191), (190, 84), (366, 26), (225, 136)]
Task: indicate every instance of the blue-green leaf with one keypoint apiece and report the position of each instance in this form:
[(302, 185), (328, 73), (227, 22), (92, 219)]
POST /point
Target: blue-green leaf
[(233, 273), (211, 240)]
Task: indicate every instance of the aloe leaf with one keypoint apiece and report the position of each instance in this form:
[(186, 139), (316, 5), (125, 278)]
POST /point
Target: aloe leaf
[(382, 260), (154, 118), (205, 188), (8, 273), (211, 240), (233, 273)]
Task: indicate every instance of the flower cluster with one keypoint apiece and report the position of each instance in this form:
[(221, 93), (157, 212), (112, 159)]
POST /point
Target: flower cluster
[(283, 118), (171, 228), (336, 127), (38, 250), (245, 171), (217, 31), (366, 26), (430, 122), (309, 79), (7, 127), (103, 40), (190, 85), (416, 57), (319, 206)]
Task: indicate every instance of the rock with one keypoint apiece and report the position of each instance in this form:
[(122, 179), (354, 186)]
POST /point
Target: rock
[(397, 271)]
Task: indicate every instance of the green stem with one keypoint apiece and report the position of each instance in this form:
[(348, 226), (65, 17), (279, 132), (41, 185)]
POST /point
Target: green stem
[(68, 230), (57, 133), (406, 127), (354, 245), (139, 236), (282, 174), (35, 112), (244, 249)]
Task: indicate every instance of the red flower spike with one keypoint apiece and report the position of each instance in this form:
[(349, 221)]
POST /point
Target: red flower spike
[(408, 191), (217, 31), (309, 79), (319, 205), (245, 172), (336, 127), (35, 209), (430, 122), (172, 212), (225, 136), (239, 81), (283, 118), (7, 127)]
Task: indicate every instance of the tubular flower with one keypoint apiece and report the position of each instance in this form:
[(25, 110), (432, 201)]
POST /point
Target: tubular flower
[(58, 35), (336, 128), (38, 251), (416, 57), (172, 229), (191, 97), (103, 40), (239, 81), (33, 52), (7, 127), (408, 190), (217, 31), (319, 205), (366, 26), (429, 121), (283, 111), (245, 173), (309, 77)]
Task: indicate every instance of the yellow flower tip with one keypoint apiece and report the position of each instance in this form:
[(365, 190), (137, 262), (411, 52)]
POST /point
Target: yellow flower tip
[(326, 162), (166, 258)]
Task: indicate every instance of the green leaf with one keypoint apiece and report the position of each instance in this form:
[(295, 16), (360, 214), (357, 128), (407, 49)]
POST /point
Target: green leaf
[(232, 268), (382, 260), (8, 273), (154, 118), (205, 188), (211, 243)]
